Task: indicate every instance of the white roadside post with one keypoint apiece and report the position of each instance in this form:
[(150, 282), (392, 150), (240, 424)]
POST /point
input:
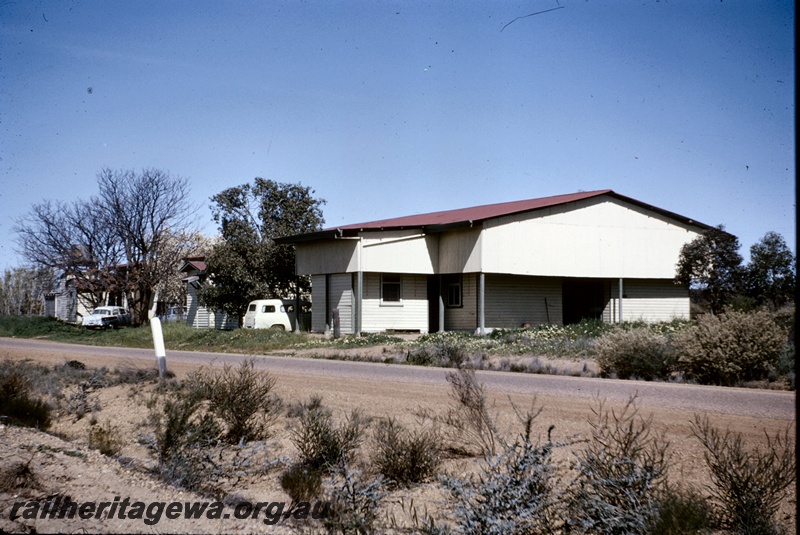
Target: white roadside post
[(158, 344)]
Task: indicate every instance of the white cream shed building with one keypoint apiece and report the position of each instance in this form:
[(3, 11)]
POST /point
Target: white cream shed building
[(551, 260)]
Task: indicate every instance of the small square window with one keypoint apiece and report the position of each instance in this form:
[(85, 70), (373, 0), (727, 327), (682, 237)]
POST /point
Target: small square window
[(391, 289), (452, 290)]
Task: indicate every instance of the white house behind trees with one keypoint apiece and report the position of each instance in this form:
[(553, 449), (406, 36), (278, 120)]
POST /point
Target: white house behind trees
[(197, 315), (552, 260)]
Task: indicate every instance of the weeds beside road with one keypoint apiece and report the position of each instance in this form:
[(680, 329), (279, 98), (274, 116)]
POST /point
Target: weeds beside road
[(429, 462), (735, 349)]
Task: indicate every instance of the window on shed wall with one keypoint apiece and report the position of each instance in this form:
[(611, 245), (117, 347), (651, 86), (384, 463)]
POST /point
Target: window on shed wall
[(391, 289), (452, 288)]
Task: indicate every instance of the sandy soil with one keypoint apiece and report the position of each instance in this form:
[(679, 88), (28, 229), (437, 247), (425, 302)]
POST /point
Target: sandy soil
[(60, 463)]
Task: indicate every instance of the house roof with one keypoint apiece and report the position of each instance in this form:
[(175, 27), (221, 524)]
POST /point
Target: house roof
[(194, 262), (464, 217)]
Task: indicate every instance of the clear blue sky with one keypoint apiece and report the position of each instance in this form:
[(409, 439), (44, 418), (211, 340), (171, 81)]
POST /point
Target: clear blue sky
[(396, 108)]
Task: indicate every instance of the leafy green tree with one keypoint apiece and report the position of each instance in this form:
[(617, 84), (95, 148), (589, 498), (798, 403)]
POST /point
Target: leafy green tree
[(711, 263), (770, 275), (247, 264)]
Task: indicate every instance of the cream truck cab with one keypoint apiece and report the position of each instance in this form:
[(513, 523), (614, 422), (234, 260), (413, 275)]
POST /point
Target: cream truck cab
[(277, 314)]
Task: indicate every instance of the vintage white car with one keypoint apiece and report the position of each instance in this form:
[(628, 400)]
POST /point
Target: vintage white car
[(107, 318)]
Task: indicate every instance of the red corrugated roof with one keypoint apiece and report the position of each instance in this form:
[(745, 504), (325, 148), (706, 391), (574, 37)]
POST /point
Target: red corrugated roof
[(199, 265), (440, 221), (475, 213)]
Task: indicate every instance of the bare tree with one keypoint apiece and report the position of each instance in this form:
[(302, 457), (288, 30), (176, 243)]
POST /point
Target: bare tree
[(129, 239), (76, 240), (22, 290), (145, 210)]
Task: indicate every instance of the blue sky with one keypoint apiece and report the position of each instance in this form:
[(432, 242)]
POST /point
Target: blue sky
[(396, 108)]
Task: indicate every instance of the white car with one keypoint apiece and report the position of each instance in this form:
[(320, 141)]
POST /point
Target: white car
[(107, 318), (174, 314)]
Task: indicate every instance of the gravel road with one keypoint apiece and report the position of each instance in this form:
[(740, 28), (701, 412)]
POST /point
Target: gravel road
[(779, 405)]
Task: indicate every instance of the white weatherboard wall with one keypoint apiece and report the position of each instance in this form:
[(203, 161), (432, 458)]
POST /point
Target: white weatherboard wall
[(460, 251), (341, 296), (464, 318), (333, 256), (512, 301), (399, 252), (411, 314), (597, 238), (647, 300)]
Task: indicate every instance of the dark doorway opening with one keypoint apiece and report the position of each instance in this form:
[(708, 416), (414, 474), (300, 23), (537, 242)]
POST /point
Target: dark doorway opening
[(434, 291), (582, 299)]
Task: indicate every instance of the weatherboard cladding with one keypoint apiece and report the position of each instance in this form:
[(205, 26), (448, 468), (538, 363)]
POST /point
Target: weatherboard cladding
[(648, 300), (410, 314), (341, 296), (318, 295), (525, 249)]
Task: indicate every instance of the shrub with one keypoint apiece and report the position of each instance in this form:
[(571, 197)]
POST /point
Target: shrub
[(635, 353), (447, 349), (321, 444), (183, 435), (731, 347), (620, 474), (354, 500), (105, 439), (17, 403), (301, 483), (191, 446), (17, 475), (469, 419), (405, 456), (747, 485), (241, 398), (512, 493), (299, 408), (682, 512)]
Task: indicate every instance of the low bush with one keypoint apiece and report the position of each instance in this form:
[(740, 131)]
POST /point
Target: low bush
[(354, 500), (638, 353), (184, 434), (731, 347), (514, 492), (621, 473), (106, 439), (404, 456), (322, 444), (241, 398), (447, 349), (469, 421), (301, 482), (682, 512), (18, 405), (299, 408), (748, 485), (202, 426)]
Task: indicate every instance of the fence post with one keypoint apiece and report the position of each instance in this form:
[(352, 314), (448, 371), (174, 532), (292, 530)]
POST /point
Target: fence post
[(337, 329), (158, 344)]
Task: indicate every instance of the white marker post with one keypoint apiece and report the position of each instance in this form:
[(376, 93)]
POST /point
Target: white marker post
[(158, 344)]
